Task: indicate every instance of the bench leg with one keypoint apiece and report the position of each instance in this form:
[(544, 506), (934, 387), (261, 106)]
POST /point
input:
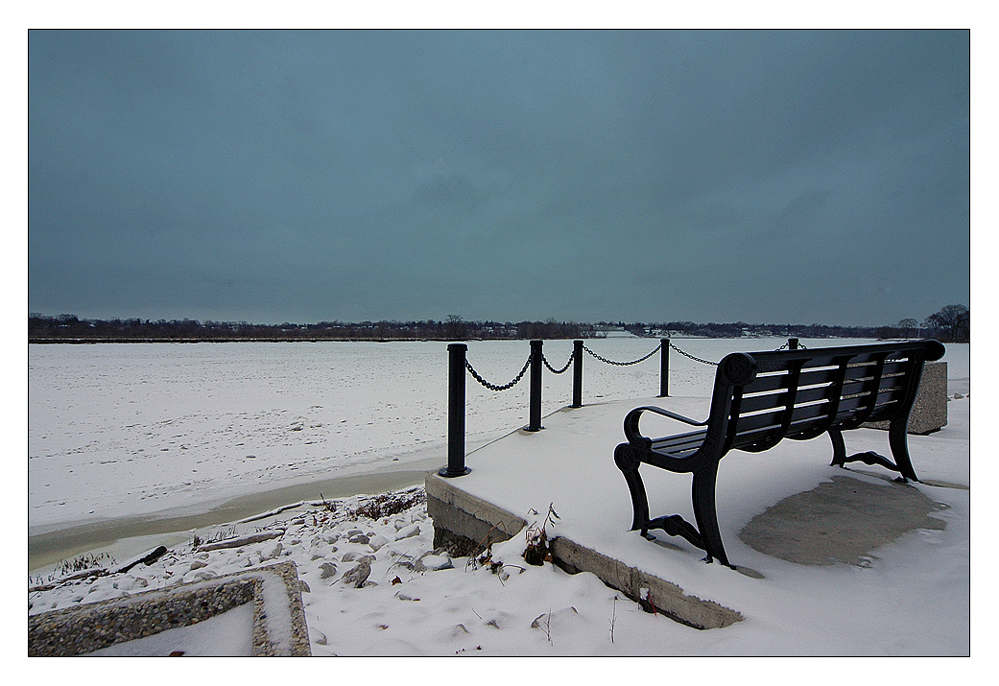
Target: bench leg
[(898, 440), (624, 458), (703, 495), (839, 448), (899, 450)]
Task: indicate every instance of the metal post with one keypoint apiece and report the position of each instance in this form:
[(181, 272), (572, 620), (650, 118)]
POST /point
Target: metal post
[(535, 424), (577, 373), (792, 344), (664, 368), (455, 412)]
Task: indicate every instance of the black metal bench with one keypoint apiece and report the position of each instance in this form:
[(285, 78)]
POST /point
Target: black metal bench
[(759, 399)]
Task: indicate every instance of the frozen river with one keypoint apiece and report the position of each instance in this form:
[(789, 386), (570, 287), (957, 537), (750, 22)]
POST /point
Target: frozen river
[(138, 430)]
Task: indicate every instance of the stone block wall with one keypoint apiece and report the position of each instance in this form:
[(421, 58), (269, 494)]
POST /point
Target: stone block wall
[(929, 413)]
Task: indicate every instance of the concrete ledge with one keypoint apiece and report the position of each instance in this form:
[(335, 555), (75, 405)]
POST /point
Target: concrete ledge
[(467, 524), (464, 523), (279, 626), (667, 598), (929, 412)]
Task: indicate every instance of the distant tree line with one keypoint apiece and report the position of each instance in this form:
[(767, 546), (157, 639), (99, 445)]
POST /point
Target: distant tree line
[(951, 324), (68, 327)]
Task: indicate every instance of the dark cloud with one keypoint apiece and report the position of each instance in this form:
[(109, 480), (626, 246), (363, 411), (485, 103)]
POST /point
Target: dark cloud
[(307, 175)]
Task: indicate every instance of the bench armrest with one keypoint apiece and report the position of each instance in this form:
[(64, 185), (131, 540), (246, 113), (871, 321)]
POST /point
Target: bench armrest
[(631, 424)]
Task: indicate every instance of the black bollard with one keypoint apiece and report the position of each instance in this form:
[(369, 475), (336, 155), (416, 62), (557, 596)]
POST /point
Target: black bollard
[(792, 344), (577, 373), (455, 412), (535, 423), (664, 368)]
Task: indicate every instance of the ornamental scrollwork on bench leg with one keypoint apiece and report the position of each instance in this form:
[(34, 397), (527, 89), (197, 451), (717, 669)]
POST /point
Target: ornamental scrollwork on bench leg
[(872, 458), (674, 525)]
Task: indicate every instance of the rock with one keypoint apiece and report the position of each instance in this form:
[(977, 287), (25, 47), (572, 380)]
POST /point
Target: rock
[(328, 570), (357, 575), (197, 564), (377, 542), (408, 532), (303, 587), (548, 621), (359, 538), (453, 632), (353, 557), (433, 563)]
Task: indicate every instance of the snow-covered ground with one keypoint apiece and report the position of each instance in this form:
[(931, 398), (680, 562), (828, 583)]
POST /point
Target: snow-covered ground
[(119, 430)]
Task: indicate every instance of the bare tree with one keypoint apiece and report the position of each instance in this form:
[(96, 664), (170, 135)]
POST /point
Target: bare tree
[(951, 323), (906, 324), (455, 329)]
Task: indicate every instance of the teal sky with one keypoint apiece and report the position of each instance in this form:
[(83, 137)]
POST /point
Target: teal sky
[(269, 176)]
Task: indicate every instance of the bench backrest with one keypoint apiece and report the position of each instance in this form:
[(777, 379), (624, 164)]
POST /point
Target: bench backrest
[(761, 398)]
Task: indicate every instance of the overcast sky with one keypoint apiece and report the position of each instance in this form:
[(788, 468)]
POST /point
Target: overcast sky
[(302, 176)]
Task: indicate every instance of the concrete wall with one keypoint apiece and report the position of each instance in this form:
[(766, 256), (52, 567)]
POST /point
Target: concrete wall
[(929, 413), (463, 523)]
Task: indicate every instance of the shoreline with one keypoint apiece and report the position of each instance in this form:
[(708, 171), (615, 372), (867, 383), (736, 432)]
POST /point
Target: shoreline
[(49, 547)]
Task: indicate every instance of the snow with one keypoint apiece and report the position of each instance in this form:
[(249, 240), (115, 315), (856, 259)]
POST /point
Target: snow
[(123, 430), (229, 633)]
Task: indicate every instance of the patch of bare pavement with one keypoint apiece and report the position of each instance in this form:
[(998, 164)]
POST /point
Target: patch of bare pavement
[(842, 520)]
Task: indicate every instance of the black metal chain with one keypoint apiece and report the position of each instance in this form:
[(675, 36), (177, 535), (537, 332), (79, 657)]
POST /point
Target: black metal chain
[(623, 364), (558, 371), (695, 359), (493, 387), (572, 355), (715, 364)]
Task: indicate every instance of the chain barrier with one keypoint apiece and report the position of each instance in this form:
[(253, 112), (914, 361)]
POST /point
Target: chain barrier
[(552, 369), (715, 364), (623, 364), (695, 359), (493, 387)]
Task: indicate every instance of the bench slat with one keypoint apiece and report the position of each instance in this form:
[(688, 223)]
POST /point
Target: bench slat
[(680, 446), (806, 417), (778, 399)]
